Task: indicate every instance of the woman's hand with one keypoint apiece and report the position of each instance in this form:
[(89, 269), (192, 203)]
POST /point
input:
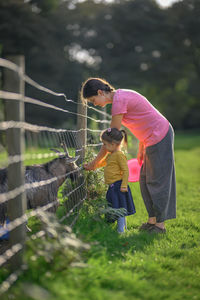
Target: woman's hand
[(91, 166), (140, 155)]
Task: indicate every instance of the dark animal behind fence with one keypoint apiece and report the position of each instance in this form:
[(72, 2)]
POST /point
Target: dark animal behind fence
[(44, 194)]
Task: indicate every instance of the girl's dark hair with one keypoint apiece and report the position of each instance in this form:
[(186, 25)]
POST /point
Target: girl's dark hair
[(114, 135), (91, 86)]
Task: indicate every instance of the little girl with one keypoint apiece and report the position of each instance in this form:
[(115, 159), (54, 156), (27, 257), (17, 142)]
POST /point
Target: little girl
[(116, 174), (156, 143)]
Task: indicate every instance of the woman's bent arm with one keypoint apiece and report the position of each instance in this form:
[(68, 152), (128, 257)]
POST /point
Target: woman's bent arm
[(116, 121)]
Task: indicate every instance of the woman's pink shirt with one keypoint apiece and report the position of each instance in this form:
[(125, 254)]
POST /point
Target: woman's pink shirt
[(140, 116)]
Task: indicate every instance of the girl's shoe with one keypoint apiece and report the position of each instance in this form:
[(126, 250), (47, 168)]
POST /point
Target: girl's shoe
[(146, 226)]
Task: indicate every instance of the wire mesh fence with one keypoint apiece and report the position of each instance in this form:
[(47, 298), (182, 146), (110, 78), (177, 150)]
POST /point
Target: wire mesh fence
[(40, 167)]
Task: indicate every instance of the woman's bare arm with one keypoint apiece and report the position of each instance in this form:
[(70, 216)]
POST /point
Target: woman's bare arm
[(116, 121)]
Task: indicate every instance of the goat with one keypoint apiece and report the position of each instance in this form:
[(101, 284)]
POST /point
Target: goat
[(42, 195)]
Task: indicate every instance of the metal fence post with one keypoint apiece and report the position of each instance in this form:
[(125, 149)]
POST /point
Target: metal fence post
[(14, 110)]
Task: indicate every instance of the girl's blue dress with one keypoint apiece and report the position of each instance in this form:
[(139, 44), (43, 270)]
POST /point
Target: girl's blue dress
[(118, 199)]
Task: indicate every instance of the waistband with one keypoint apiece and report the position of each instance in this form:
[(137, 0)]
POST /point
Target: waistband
[(115, 183)]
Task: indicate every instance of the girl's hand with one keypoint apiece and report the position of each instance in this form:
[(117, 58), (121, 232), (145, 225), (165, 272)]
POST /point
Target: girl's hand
[(123, 189), (90, 166)]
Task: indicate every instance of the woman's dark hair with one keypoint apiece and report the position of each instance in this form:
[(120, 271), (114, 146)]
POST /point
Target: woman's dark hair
[(91, 86), (114, 135)]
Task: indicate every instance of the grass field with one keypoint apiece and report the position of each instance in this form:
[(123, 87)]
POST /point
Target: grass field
[(135, 265)]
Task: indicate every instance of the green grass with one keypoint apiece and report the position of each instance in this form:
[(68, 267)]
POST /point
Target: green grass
[(135, 265)]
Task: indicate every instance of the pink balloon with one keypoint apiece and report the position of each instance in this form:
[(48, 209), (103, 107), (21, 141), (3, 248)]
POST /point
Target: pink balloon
[(134, 170)]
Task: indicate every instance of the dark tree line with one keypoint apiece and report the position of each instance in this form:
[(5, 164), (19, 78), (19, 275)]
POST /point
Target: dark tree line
[(132, 43)]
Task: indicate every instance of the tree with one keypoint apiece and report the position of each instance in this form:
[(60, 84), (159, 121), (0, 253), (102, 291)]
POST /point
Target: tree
[(41, 36), (133, 44)]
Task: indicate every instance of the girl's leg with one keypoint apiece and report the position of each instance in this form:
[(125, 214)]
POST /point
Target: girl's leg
[(125, 223), (121, 224)]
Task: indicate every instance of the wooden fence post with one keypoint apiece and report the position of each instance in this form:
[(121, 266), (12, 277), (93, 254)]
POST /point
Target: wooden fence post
[(82, 124), (14, 110)]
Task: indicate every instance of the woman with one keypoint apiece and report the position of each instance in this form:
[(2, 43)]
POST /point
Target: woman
[(156, 138)]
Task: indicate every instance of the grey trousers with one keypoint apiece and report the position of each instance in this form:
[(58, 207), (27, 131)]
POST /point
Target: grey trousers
[(157, 179)]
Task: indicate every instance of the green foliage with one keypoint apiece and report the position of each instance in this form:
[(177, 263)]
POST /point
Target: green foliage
[(57, 244), (96, 188), (55, 249)]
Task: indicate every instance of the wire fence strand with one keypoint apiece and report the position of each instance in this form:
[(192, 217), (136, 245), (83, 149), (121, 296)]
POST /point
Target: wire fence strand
[(41, 143)]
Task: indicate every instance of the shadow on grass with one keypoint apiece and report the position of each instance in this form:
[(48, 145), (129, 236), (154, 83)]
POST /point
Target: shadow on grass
[(104, 238)]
